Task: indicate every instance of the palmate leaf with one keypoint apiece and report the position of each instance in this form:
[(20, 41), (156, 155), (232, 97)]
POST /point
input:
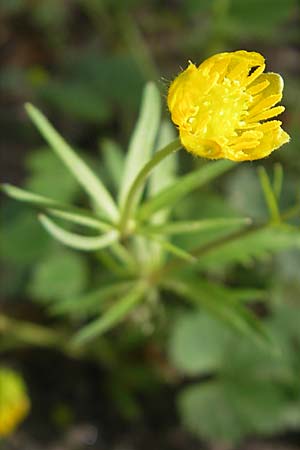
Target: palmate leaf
[(206, 412), (60, 274), (73, 240), (142, 141), (219, 302), (197, 343), (112, 316), (169, 196), (83, 174)]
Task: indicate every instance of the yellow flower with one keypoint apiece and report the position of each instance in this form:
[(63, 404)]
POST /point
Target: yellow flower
[(222, 107), (14, 402)]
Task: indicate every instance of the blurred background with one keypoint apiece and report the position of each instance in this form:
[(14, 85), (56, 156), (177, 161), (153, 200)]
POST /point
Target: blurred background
[(84, 64)]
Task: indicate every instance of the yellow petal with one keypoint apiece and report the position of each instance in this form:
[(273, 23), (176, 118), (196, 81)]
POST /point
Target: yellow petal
[(268, 114), (264, 104), (275, 84)]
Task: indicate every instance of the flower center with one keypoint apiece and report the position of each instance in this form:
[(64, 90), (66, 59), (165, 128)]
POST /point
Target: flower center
[(219, 111)]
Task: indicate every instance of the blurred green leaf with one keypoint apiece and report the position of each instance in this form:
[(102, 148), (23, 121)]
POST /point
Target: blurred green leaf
[(101, 72), (256, 14), (44, 167), (228, 410), (197, 343), (77, 99), (22, 241), (205, 411), (113, 159), (197, 6), (244, 192), (222, 304), (13, 6), (58, 276)]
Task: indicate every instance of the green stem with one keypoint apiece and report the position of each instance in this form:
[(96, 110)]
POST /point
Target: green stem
[(28, 333), (139, 180), (269, 195)]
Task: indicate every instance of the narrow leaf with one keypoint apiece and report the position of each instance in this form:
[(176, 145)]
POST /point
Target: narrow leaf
[(143, 139), (55, 208), (182, 186), (164, 174), (269, 195), (278, 180), (92, 301), (113, 159), (83, 174), (87, 243), (141, 178), (29, 197), (79, 219), (171, 248), (194, 226), (114, 315)]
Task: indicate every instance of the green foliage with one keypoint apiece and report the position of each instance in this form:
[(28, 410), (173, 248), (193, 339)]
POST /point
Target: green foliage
[(60, 275), (148, 245), (181, 187), (44, 167), (77, 167), (196, 235), (142, 140), (113, 316), (250, 390), (255, 14), (16, 248), (194, 335)]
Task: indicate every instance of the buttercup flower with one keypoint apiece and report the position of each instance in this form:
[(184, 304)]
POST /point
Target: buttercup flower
[(14, 402), (222, 107)]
